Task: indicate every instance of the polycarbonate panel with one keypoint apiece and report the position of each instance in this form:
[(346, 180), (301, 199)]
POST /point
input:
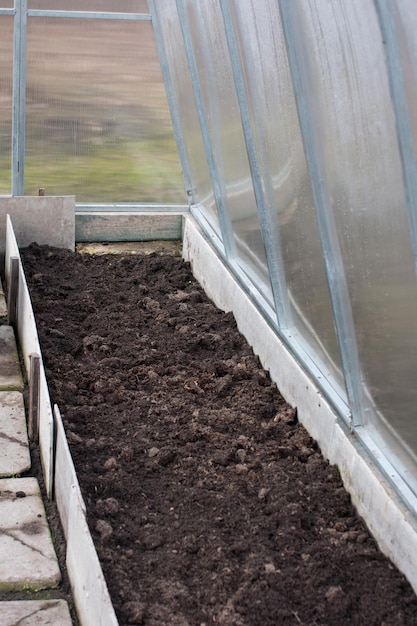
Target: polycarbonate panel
[(98, 124), (354, 126), (216, 78), (406, 27), (185, 103), (6, 81), (280, 149), (114, 6)]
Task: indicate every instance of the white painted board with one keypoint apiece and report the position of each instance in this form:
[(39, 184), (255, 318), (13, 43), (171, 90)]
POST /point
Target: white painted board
[(29, 342), (65, 479), (89, 588)]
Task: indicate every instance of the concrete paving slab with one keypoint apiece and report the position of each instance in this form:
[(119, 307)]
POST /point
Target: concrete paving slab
[(10, 372), (35, 613), (27, 556), (3, 306), (14, 445)]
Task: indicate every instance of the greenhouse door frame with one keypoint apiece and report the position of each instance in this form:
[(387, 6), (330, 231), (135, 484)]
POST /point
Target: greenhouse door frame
[(21, 14)]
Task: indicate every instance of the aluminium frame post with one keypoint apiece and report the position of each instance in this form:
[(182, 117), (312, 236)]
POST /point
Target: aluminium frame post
[(402, 115), (19, 98), (332, 254), (219, 190), (172, 101), (261, 180)]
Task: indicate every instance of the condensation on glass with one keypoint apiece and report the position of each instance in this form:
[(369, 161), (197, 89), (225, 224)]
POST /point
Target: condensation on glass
[(97, 120), (6, 82)]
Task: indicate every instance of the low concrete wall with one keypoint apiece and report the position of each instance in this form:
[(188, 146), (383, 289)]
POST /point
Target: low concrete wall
[(46, 220)]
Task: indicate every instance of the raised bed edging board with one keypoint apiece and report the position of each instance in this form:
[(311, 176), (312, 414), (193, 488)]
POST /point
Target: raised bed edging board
[(127, 226), (89, 588), (393, 526), (28, 339)]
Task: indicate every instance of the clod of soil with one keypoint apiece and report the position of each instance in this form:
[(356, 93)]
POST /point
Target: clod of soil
[(208, 502)]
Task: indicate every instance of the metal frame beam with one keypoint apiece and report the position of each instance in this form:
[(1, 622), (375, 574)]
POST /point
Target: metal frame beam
[(91, 15), (261, 180), (332, 255), (172, 101), (19, 98), (216, 179)]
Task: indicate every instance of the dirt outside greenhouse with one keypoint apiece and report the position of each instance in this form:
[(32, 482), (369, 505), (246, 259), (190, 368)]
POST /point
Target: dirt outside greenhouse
[(207, 501)]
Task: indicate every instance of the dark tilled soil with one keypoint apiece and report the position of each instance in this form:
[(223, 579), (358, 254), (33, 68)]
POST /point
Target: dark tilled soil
[(207, 501)]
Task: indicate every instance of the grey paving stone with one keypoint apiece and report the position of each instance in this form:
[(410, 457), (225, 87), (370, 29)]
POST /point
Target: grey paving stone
[(14, 446), (3, 306), (35, 613), (10, 373), (27, 556)]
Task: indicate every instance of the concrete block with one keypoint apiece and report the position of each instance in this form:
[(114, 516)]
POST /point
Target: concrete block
[(46, 220)]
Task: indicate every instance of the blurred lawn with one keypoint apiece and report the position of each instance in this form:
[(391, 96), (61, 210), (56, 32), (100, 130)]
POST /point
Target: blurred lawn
[(141, 171), (97, 119)]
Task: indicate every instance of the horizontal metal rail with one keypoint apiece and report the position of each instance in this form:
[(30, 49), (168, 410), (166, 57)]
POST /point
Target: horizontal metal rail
[(94, 15), (132, 208)]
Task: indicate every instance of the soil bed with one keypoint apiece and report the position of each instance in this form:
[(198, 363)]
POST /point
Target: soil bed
[(207, 501)]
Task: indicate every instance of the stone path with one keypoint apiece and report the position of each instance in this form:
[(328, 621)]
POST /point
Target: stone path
[(27, 557)]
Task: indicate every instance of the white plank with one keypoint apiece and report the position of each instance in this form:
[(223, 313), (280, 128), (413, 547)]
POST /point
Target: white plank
[(29, 342), (65, 478), (127, 226), (89, 588)]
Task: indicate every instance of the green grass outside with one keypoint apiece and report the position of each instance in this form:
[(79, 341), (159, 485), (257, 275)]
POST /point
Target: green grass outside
[(141, 171), (112, 169)]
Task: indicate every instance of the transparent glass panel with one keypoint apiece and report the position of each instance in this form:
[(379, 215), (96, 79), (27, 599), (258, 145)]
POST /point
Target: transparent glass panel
[(114, 6), (354, 126), (6, 80), (216, 78), (6, 4), (98, 124), (187, 111), (280, 149)]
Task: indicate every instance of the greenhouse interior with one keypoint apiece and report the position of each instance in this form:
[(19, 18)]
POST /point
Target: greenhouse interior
[(284, 132)]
